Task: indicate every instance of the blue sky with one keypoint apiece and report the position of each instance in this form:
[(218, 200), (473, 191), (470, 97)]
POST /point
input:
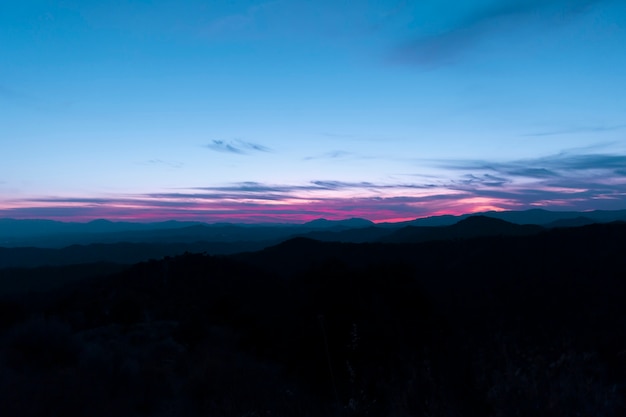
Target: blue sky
[(292, 110)]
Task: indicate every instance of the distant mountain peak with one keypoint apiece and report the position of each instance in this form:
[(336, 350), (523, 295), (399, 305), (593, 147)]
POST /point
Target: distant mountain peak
[(100, 221), (480, 225), (479, 220), (353, 222)]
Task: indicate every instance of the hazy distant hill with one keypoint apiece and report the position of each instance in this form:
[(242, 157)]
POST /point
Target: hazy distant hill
[(119, 253), (470, 227), (573, 222), (544, 217), (533, 216), (20, 228), (54, 233), (182, 233), (47, 233), (352, 223), (136, 246)]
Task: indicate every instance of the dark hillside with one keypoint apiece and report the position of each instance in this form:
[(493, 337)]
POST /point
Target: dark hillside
[(41, 279), (575, 222), (360, 235), (488, 326)]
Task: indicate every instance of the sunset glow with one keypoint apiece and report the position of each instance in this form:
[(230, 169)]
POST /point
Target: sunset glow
[(286, 111)]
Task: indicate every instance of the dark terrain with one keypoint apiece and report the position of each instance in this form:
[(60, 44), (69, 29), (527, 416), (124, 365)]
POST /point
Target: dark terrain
[(480, 318)]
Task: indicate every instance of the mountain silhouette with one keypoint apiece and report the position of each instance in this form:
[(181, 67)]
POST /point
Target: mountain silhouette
[(338, 224), (49, 233), (470, 227), (355, 329)]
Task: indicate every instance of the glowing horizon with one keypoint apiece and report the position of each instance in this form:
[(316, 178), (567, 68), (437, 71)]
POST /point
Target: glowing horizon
[(286, 111), (253, 202)]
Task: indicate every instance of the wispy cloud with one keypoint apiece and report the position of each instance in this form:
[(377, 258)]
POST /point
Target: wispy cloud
[(579, 129), (488, 180), (239, 23), (500, 18), (559, 165), (330, 155), (236, 146), (169, 164), (568, 180), (339, 135), (246, 202)]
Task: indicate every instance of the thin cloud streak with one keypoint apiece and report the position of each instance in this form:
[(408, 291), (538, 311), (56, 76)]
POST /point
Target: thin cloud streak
[(577, 181), (238, 147), (501, 18), (563, 164), (580, 129), (330, 155), (169, 164)]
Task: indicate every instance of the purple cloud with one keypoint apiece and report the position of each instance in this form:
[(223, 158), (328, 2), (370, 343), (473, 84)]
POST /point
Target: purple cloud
[(564, 181), (238, 147)]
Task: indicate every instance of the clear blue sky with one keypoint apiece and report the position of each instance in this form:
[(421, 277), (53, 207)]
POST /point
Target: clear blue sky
[(289, 110)]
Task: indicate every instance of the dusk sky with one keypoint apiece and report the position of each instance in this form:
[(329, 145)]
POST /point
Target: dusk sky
[(291, 110)]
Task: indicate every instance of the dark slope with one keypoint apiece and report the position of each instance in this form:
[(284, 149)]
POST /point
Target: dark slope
[(208, 233), (574, 222), (41, 279), (489, 326), (359, 235)]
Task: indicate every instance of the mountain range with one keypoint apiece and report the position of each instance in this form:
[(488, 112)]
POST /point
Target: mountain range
[(483, 318), (133, 242), (55, 234)]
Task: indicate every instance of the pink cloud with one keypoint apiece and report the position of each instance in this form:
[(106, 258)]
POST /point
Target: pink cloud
[(565, 181)]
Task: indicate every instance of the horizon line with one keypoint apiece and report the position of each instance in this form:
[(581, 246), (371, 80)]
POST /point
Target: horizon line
[(296, 223)]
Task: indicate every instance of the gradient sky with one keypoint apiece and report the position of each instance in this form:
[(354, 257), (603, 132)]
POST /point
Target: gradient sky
[(290, 110)]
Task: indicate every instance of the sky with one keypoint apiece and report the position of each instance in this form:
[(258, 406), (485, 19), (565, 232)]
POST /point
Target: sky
[(291, 110)]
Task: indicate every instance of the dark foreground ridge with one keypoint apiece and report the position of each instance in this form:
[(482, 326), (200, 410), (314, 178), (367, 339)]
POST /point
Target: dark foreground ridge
[(505, 325)]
